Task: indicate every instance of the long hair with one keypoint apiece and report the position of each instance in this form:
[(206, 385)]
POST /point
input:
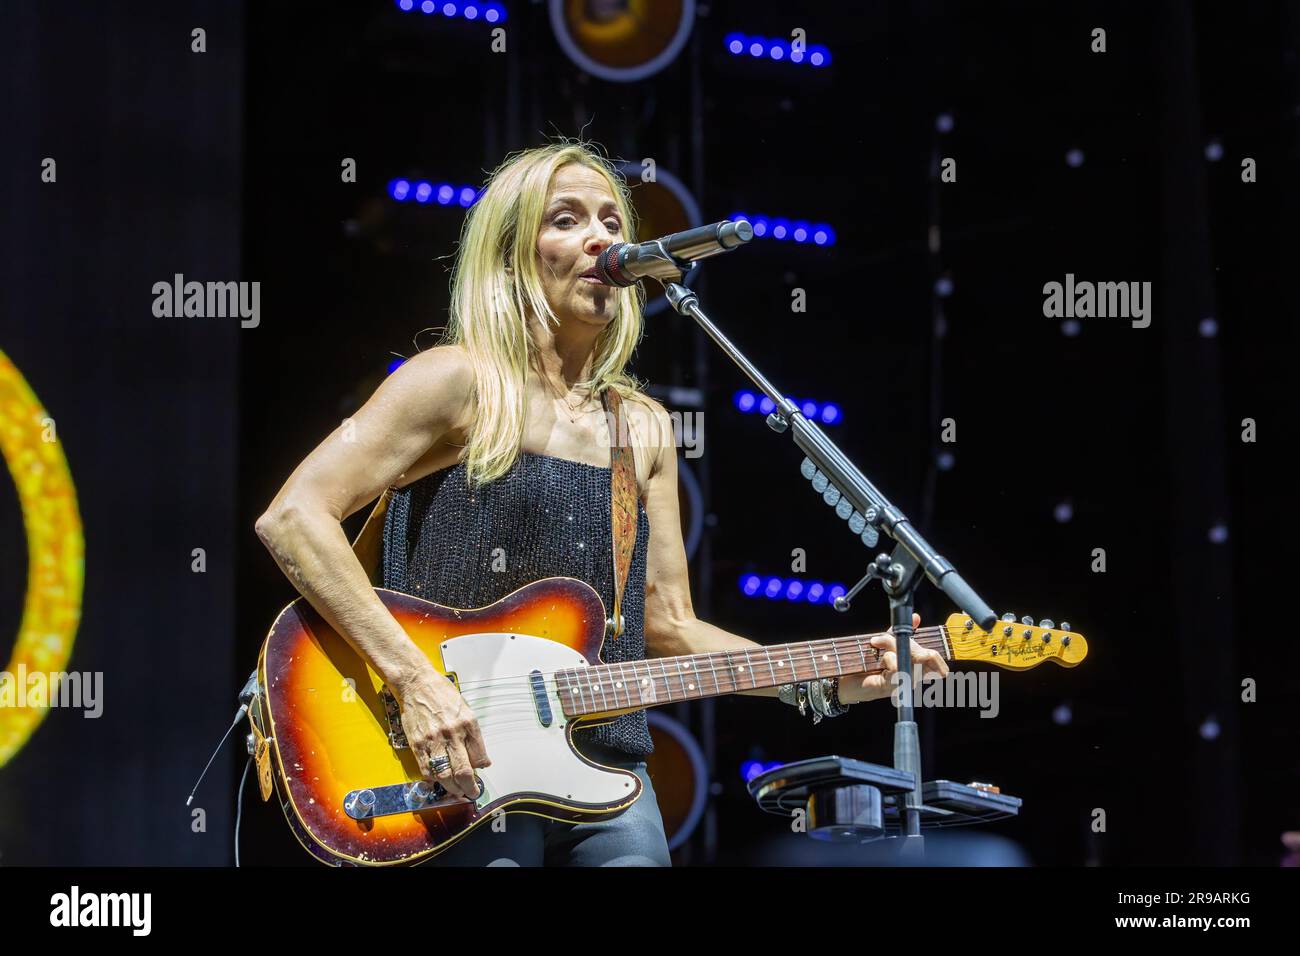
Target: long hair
[(491, 305)]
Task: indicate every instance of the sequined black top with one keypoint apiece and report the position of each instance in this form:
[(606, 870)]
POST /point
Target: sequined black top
[(550, 517)]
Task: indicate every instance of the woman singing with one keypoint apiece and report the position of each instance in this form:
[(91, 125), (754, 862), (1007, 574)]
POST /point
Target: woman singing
[(499, 449)]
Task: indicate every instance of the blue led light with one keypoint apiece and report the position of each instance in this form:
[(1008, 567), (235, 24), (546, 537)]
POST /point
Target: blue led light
[(471, 12), (773, 588), (746, 401), (809, 409), (801, 232), (449, 9), (766, 406), (750, 769), (734, 42), (427, 6), (793, 590), (815, 592), (750, 583), (405, 4), (398, 189), (819, 56), (756, 47), (445, 194), (777, 51), (395, 364), (467, 196), (830, 414), (422, 192)]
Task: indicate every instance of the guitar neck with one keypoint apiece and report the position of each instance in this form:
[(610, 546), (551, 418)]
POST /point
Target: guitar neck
[(671, 680)]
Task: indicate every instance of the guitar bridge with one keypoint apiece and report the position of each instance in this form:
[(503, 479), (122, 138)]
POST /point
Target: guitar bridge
[(400, 798), (396, 736)]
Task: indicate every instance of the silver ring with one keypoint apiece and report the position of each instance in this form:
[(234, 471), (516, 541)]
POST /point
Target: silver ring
[(439, 764)]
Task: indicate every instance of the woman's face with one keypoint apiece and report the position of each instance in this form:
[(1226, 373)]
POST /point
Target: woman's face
[(580, 221)]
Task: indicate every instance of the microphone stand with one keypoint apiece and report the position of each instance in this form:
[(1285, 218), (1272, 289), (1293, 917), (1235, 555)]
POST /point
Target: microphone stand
[(867, 512)]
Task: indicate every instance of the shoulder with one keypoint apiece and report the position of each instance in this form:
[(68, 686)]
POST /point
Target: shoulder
[(652, 424), (438, 382), (450, 363)]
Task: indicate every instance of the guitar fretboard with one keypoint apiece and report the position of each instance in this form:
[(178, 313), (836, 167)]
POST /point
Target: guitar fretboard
[(670, 680)]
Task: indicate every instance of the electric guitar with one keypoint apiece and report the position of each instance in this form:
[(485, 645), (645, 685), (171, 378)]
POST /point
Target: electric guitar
[(329, 733)]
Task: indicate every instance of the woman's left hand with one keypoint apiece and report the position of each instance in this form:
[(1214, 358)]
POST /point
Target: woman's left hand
[(856, 688)]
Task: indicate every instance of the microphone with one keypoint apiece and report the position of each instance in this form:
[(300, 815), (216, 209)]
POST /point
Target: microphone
[(625, 262)]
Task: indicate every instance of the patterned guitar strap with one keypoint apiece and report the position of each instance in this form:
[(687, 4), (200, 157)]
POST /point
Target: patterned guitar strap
[(623, 500)]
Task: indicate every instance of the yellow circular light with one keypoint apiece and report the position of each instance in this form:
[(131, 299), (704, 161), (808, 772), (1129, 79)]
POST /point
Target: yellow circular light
[(55, 548)]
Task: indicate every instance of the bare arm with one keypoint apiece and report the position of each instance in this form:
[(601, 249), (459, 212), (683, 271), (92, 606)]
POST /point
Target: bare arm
[(413, 408), (671, 627)]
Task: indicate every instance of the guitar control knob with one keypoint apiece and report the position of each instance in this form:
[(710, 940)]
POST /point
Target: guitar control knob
[(363, 804), (1010, 617), (1047, 623)]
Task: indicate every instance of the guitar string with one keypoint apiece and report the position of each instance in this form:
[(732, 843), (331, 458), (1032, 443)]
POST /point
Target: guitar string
[(611, 696), (805, 652), (523, 700)]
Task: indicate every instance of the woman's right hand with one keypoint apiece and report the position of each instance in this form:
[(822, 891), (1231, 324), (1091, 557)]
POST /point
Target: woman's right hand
[(437, 721)]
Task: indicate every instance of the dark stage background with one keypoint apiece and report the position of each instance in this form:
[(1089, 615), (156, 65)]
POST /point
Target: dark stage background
[(1117, 166)]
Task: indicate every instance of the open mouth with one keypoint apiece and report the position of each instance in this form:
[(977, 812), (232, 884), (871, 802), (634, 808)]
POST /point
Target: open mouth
[(591, 276)]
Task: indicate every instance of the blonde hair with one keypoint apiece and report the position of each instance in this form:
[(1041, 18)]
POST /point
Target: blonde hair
[(491, 306)]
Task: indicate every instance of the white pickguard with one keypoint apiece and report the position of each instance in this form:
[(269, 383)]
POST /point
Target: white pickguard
[(492, 671)]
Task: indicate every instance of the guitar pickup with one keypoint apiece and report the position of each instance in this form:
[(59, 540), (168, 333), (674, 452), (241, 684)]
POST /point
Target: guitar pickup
[(540, 699)]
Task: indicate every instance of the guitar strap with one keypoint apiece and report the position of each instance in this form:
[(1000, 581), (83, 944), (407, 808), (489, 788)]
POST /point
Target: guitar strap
[(623, 498), (623, 514)]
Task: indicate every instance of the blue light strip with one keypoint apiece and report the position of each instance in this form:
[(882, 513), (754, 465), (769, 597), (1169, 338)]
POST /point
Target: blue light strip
[(781, 51), (828, 413), (485, 12), (789, 589), (423, 192), (791, 230)]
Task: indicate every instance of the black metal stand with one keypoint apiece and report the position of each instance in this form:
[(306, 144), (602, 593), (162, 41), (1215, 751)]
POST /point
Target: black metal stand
[(867, 513)]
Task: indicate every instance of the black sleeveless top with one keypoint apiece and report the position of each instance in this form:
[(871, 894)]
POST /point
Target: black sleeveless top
[(549, 517)]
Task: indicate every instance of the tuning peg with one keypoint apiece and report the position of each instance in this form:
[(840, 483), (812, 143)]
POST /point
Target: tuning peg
[(1010, 617), (1065, 625), (1047, 623), (1027, 621)]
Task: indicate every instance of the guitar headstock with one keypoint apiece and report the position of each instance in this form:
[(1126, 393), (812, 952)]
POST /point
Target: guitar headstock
[(1018, 645)]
